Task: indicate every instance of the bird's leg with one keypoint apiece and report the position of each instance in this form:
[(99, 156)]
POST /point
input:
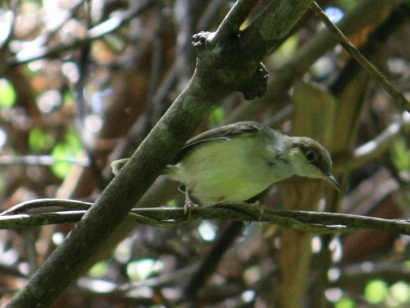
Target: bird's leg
[(189, 204)]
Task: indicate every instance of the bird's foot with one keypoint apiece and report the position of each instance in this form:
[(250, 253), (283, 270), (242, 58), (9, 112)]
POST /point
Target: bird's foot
[(189, 205), (188, 208)]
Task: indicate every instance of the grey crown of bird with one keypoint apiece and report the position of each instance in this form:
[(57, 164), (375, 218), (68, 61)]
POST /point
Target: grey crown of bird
[(236, 162)]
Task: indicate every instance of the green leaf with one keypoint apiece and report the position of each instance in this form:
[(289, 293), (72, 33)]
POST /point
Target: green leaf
[(64, 151), (99, 270), (400, 291), (39, 140), (217, 116), (345, 303), (7, 94), (288, 48), (376, 291), (401, 154), (347, 5), (172, 203), (3, 184)]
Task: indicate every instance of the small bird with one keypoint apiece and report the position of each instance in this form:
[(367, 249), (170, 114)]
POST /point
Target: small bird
[(236, 162)]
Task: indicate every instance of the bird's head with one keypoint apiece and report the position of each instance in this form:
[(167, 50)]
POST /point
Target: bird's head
[(310, 159)]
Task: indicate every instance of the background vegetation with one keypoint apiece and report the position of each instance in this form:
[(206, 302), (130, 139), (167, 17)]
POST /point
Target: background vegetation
[(83, 82)]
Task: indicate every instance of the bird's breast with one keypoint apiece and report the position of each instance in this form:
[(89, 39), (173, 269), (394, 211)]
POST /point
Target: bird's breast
[(227, 170)]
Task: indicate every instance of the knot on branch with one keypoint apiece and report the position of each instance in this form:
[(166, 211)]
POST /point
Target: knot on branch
[(224, 65), (258, 84), (199, 40)]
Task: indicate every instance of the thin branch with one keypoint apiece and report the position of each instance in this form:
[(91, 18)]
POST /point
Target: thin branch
[(30, 220), (306, 221), (357, 55), (41, 204), (39, 160), (377, 146)]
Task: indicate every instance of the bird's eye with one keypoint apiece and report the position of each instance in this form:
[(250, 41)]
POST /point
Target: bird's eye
[(310, 155)]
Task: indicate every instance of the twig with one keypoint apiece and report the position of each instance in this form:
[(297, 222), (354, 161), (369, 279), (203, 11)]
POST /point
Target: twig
[(377, 146), (46, 203), (306, 221), (357, 55), (39, 160)]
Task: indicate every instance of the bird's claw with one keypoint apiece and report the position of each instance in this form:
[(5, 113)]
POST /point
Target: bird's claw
[(189, 205)]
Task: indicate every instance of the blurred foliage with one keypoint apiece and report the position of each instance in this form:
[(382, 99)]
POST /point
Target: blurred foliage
[(39, 140), (217, 116), (7, 94), (64, 151), (345, 303), (401, 154), (99, 270), (82, 84), (376, 291)]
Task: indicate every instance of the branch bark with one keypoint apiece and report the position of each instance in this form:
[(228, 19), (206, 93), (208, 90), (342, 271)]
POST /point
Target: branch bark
[(304, 221)]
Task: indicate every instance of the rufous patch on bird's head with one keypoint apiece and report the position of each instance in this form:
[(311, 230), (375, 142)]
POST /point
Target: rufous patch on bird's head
[(310, 159)]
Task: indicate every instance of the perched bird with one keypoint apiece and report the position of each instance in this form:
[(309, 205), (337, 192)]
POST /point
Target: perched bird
[(236, 162)]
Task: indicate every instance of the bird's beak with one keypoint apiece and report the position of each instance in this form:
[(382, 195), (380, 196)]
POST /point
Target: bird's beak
[(332, 181)]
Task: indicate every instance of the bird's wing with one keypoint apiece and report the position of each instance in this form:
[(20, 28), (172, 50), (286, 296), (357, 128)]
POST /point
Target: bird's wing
[(226, 132)]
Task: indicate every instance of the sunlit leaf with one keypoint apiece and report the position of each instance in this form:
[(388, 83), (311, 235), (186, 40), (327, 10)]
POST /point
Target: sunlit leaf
[(172, 203), (345, 303), (217, 115), (39, 140), (288, 48), (64, 151), (68, 98), (7, 94), (401, 154), (400, 291), (376, 291), (99, 270), (347, 4)]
